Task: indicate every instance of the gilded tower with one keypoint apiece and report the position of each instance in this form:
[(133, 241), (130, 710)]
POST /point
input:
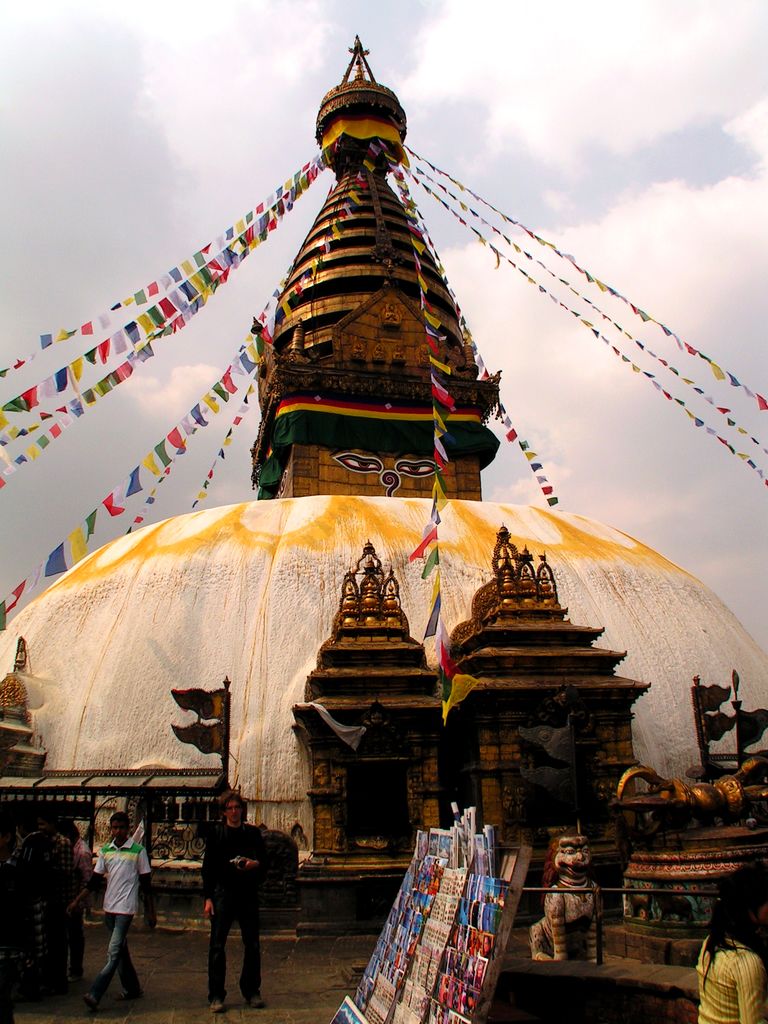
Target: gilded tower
[(345, 388)]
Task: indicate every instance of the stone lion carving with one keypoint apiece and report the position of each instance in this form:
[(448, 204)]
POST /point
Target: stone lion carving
[(567, 930)]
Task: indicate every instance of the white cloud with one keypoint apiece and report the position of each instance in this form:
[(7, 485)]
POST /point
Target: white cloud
[(181, 390), (560, 78)]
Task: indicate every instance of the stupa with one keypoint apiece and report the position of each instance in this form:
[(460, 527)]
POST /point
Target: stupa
[(307, 597)]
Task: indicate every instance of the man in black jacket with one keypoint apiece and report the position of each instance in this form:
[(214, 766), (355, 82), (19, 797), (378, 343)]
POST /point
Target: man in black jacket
[(234, 865)]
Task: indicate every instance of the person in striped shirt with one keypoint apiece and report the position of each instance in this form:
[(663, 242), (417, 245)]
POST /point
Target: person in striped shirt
[(733, 983), (126, 866)]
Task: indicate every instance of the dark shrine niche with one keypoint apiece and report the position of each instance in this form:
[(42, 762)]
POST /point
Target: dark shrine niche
[(377, 800)]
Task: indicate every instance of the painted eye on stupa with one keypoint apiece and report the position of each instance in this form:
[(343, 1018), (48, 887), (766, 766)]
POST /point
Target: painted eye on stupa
[(415, 467), (359, 463)]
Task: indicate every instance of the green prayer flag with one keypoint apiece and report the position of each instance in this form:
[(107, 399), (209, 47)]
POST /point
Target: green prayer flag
[(162, 454), (90, 525), (432, 561)]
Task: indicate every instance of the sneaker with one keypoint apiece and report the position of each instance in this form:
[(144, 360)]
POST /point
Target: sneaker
[(256, 1002), (90, 1002), (74, 976), (217, 1006), (123, 996)]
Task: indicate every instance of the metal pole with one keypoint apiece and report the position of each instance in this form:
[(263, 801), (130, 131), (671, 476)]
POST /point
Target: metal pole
[(225, 751)]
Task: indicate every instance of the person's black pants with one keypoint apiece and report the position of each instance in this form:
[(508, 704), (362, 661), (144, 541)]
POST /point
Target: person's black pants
[(76, 942), (226, 910)]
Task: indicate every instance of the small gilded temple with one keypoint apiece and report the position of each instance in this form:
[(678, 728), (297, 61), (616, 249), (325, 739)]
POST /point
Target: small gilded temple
[(579, 640)]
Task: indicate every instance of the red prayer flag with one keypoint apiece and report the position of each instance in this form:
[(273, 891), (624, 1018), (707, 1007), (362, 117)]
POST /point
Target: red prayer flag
[(228, 383), (152, 289), (17, 592), (167, 307), (419, 551), (30, 397), (111, 506), (103, 350), (87, 328), (176, 439)]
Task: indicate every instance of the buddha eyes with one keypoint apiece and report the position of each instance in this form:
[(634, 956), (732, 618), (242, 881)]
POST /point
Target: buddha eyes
[(415, 467), (359, 463)]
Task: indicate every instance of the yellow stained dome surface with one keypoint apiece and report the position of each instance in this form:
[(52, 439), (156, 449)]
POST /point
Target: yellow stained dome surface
[(250, 591)]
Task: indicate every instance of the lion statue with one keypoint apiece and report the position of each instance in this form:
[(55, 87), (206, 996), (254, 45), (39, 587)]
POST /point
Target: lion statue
[(567, 931)]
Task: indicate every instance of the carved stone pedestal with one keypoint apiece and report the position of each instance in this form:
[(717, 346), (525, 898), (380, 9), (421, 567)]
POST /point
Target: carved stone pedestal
[(694, 859)]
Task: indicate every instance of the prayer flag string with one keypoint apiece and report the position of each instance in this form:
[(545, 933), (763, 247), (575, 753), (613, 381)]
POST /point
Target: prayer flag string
[(158, 462), (696, 420), (442, 406), (194, 269), (510, 432), (218, 274), (718, 372), (202, 494)]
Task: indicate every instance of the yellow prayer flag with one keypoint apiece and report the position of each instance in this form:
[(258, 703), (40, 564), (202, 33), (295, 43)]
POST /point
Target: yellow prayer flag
[(240, 227), (77, 368), (77, 544), (461, 685), (33, 452), (435, 587), (211, 403), (187, 267), (145, 323), (441, 366), (3, 420), (151, 465), (717, 371), (439, 496)]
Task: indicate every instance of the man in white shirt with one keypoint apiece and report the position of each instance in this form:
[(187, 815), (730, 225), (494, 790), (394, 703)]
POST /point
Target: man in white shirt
[(126, 865)]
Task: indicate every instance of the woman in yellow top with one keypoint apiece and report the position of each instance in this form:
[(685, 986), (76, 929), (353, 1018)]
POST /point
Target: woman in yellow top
[(733, 983)]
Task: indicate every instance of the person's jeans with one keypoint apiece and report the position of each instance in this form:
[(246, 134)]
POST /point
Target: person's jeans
[(226, 910), (118, 959)]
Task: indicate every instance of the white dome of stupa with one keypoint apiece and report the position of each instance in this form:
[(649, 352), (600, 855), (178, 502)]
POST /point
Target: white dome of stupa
[(249, 591)]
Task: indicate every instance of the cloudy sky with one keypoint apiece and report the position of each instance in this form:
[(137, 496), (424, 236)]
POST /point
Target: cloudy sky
[(635, 137)]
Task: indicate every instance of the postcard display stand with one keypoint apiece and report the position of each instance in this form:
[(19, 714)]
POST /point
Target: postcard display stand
[(438, 957)]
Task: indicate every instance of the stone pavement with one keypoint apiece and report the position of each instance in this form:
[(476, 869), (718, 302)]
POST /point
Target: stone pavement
[(305, 980)]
